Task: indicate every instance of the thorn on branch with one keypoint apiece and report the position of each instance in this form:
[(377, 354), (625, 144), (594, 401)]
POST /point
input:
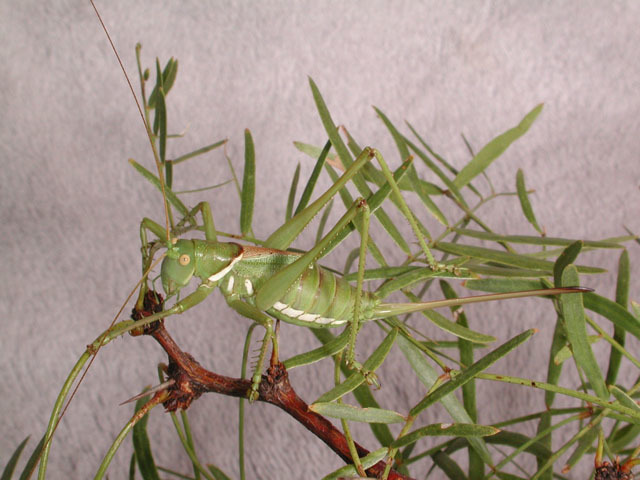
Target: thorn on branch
[(153, 302)]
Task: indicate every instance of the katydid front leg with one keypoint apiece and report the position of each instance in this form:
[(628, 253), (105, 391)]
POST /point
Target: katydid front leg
[(266, 321), (148, 225)]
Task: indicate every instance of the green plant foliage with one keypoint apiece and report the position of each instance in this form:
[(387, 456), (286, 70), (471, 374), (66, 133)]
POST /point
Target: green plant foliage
[(458, 358)]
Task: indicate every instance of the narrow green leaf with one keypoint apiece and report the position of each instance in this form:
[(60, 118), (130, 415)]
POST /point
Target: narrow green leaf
[(440, 159), (171, 197), (613, 312), (292, 193), (329, 125), (356, 378), (566, 258), (446, 429), (313, 179), (495, 148), (349, 471), (622, 299), (534, 240), (362, 394), (132, 466), (504, 271), (30, 466), (323, 221), (624, 279), (623, 437), (142, 446), (410, 277), (508, 476), (435, 169), (468, 373), (168, 78), (624, 398), (413, 175), (428, 376), (448, 466), (466, 358), (160, 121), (248, 184), (328, 349), (217, 473), (516, 440), (505, 258), (169, 75), (7, 473), (155, 94), (589, 433), (565, 352), (366, 399), (524, 201), (573, 313), (456, 329), (356, 414), (283, 236), (553, 374), (198, 152)]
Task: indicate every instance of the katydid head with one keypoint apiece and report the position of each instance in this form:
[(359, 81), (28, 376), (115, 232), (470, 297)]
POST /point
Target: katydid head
[(178, 266)]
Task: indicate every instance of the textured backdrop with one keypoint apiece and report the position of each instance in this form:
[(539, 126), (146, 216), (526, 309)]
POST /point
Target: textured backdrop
[(71, 205)]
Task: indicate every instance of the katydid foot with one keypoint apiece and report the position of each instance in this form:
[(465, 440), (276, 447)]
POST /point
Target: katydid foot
[(254, 393), (369, 376)]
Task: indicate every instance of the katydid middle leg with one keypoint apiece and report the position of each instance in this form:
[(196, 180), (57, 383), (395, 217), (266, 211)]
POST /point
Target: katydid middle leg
[(275, 288), (253, 313)]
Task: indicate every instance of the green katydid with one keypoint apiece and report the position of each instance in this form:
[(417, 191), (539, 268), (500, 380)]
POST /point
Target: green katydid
[(266, 283)]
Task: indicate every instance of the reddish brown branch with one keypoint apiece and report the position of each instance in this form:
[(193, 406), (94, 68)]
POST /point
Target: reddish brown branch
[(192, 380)]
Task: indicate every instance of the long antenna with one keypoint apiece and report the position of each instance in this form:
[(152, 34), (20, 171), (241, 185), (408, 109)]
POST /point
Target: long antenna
[(156, 157), (166, 214)]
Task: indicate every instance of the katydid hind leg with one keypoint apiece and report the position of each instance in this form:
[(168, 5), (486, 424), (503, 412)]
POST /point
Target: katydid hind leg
[(354, 324)]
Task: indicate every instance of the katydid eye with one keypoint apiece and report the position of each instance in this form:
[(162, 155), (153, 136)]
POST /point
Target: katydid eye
[(184, 260)]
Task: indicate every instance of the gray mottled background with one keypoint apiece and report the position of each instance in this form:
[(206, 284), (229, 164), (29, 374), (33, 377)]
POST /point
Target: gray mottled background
[(71, 205)]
